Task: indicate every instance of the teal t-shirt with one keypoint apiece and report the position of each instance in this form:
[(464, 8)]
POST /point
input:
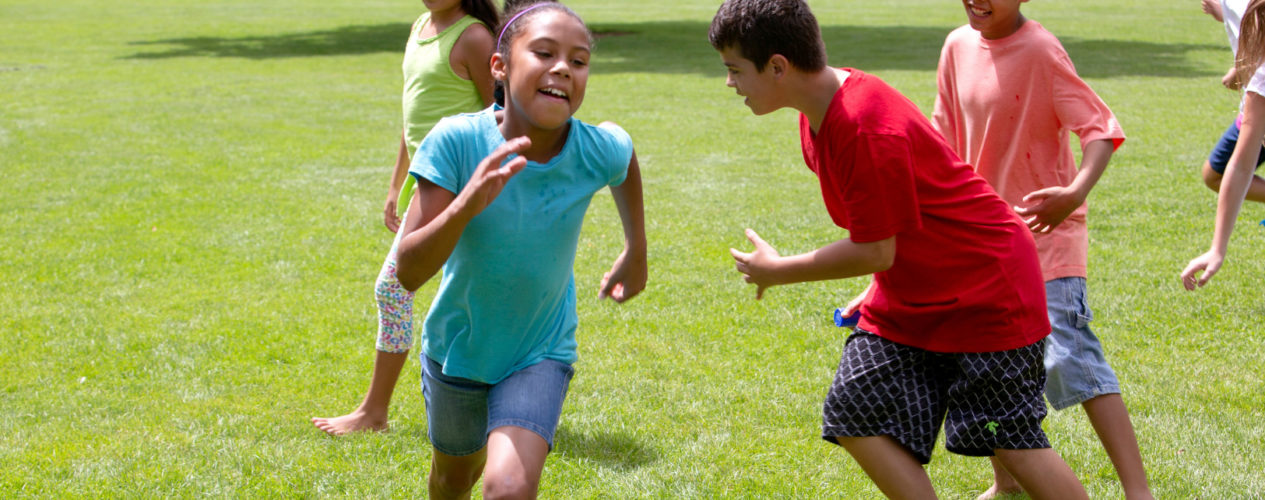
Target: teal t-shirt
[(506, 297)]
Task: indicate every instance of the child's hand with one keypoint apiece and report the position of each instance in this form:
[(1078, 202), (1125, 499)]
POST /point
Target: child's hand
[(856, 302), (490, 177), (1209, 263), (1231, 80), (388, 213), (757, 267), (626, 278), (1053, 205), (1212, 8)]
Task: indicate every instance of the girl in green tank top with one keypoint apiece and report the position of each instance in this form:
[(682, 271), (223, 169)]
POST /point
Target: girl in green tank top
[(446, 72)]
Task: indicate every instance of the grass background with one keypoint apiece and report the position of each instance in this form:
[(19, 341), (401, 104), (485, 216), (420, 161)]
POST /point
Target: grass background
[(190, 228)]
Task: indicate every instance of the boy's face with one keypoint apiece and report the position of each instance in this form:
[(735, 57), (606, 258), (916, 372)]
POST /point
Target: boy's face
[(757, 86), (994, 19)]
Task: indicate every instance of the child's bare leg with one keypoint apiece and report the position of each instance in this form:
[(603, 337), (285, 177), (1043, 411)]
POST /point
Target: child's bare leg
[(516, 458), (1042, 473), (1255, 190), (371, 415), (1003, 482), (1110, 419), (892, 468), (453, 477)]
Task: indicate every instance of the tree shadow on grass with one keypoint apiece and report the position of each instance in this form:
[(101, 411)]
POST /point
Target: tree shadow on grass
[(618, 451), (682, 47), (347, 40)]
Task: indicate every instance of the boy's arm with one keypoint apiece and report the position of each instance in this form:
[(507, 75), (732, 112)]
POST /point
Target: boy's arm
[(1054, 204), (628, 275), (437, 217), (842, 259), (398, 174)]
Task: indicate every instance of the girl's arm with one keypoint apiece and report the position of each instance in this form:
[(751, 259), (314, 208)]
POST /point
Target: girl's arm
[(393, 190), (629, 274), (437, 217), (1234, 186)]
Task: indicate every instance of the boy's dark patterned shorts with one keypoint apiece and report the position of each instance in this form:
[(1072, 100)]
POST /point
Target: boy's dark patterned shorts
[(986, 400)]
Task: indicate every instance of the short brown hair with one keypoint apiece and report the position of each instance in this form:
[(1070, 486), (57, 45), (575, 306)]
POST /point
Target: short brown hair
[(761, 28)]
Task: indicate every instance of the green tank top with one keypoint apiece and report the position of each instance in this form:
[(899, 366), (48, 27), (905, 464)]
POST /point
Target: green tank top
[(431, 89)]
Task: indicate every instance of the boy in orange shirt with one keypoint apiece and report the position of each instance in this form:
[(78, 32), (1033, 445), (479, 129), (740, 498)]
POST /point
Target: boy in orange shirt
[(1008, 96)]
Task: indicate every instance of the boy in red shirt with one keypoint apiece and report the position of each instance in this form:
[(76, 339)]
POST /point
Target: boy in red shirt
[(952, 326), (1013, 125)]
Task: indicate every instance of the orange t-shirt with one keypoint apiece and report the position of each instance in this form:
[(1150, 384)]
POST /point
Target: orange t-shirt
[(1006, 106)]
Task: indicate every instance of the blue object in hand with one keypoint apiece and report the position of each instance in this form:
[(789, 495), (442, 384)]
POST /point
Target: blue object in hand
[(850, 321)]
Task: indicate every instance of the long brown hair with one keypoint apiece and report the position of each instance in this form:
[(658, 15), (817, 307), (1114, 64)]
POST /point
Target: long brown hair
[(1251, 51), (484, 11)]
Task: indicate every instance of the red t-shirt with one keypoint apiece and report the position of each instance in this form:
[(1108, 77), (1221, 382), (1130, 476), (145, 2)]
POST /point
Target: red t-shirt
[(966, 276)]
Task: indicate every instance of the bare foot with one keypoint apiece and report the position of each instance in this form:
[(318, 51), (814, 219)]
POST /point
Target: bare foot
[(352, 422), (997, 492)]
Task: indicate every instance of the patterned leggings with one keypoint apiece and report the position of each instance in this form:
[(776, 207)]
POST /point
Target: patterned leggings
[(395, 305)]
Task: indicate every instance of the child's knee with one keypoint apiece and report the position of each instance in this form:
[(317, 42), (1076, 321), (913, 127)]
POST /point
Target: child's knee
[(500, 485), (451, 484), (1212, 178), (388, 289)]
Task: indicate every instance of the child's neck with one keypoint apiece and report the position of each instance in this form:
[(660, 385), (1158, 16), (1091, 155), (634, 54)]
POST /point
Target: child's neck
[(545, 144), (812, 93), (441, 19)]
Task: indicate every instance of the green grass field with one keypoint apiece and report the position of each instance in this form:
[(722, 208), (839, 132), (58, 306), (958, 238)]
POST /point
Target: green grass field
[(190, 207)]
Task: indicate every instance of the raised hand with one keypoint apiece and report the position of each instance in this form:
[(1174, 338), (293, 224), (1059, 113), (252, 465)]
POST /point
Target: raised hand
[(490, 177), (757, 267)]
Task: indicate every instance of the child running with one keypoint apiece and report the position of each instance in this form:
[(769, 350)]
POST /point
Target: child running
[(499, 340), (446, 72), (1239, 181), (1013, 127), (952, 326), (1230, 13)]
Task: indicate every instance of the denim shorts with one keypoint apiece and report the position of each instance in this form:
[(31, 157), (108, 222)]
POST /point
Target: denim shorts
[(462, 412), (1075, 367), (1220, 157)]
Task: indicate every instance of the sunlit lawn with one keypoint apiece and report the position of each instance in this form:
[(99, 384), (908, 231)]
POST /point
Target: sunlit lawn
[(190, 213)]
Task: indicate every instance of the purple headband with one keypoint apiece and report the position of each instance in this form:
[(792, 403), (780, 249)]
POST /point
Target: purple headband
[(515, 18)]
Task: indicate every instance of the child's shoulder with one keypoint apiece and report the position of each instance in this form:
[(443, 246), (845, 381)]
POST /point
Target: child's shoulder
[(603, 132), (462, 125)]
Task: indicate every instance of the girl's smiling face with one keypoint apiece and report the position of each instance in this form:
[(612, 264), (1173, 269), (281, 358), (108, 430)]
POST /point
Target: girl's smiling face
[(547, 70)]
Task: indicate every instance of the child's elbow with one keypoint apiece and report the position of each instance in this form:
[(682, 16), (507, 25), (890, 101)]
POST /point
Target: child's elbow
[(408, 277), (883, 255), (409, 284)]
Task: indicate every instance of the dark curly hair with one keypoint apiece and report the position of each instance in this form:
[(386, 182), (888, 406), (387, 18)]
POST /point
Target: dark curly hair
[(761, 28)]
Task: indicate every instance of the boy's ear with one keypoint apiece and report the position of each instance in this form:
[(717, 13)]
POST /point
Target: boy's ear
[(498, 66), (779, 65)]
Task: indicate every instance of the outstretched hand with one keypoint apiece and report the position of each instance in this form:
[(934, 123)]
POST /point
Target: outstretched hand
[(626, 278), (1210, 262), (490, 177), (1053, 205), (757, 267)]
